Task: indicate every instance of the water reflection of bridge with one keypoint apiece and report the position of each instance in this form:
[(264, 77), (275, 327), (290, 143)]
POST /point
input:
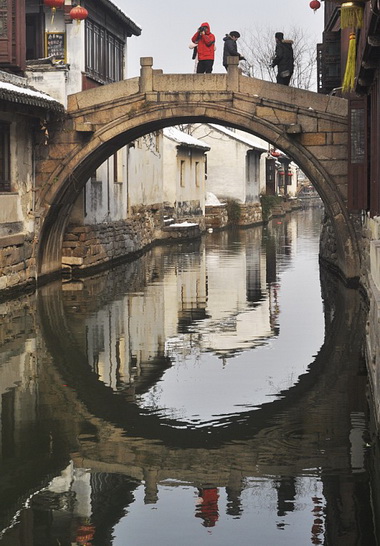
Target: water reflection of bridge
[(103, 431), (120, 439)]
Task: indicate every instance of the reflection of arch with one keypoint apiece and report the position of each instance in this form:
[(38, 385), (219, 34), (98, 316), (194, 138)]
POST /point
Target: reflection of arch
[(102, 402), (274, 441), (314, 137)]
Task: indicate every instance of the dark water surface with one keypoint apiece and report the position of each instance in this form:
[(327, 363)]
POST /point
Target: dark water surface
[(209, 393)]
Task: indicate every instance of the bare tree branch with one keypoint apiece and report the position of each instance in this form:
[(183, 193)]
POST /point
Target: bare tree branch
[(258, 46)]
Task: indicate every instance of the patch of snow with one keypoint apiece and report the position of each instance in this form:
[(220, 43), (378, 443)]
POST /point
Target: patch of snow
[(212, 200), (184, 138), (184, 224), (26, 91), (257, 144)]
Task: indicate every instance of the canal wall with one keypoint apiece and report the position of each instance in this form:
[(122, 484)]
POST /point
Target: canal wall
[(368, 233), (89, 246), (371, 283), (17, 262)]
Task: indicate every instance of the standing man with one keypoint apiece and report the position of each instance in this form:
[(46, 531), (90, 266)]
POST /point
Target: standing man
[(283, 59), (205, 41), (230, 47)]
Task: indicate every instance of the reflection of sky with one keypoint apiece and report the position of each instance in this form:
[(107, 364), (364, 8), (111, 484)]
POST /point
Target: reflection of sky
[(172, 519), (202, 387)]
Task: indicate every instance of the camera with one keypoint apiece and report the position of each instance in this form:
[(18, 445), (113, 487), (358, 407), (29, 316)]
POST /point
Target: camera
[(202, 29)]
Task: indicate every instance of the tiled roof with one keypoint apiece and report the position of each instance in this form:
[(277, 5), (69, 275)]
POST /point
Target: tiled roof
[(134, 27), (20, 94)]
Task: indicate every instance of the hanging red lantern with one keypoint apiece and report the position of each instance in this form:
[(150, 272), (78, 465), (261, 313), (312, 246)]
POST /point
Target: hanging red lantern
[(315, 4), (78, 13), (54, 4)]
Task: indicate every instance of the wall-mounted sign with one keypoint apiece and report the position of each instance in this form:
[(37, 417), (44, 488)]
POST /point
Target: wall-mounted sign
[(55, 46)]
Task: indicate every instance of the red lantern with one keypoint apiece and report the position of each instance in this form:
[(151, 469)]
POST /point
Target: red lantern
[(78, 13), (315, 4), (54, 4)]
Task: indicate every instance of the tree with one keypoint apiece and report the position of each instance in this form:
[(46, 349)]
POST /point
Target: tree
[(258, 46)]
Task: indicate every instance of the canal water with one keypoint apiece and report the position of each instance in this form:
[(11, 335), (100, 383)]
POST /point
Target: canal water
[(211, 392)]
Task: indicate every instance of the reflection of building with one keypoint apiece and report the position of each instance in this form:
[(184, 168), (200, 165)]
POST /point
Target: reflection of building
[(205, 300), (238, 314)]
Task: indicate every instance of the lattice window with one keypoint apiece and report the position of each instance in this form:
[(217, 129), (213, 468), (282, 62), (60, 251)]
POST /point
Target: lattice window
[(104, 54), (4, 19)]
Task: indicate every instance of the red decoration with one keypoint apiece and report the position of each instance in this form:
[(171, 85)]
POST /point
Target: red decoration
[(54, 4), (78, 13), (315, 4)]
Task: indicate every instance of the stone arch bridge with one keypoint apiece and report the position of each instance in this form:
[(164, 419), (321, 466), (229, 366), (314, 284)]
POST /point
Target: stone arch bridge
[(309, 127)]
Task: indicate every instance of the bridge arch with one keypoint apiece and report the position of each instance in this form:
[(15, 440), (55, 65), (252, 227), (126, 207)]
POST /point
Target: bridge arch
[(314, 137)]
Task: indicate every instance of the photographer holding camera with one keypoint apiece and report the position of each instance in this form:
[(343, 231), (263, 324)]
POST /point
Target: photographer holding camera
[(205, 41)]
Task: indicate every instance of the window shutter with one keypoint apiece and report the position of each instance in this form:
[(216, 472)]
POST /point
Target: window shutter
[(12, 34), (358, 155)]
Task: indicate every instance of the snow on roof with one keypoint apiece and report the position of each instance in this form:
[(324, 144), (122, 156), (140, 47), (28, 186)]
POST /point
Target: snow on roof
[(27, 95), (184, 138), (249, 140)]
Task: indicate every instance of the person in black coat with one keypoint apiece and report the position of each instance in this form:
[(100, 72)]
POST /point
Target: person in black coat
[(283, 59), (230, 47)]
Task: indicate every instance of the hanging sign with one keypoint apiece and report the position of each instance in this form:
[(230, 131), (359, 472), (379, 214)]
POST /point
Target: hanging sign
[(55, 45)]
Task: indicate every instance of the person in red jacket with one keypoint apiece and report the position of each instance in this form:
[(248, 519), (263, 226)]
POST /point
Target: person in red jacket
[(205, 41)]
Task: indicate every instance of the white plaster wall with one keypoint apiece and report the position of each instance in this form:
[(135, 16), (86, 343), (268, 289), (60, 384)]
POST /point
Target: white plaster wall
[(10, 210), (170, 172), (263, 173), (226, 168), (226, 163), (145, 171), (98, 198), (75, 51), (22, 202), (52, 82), (75, 56), (292, 188), (189, 190)]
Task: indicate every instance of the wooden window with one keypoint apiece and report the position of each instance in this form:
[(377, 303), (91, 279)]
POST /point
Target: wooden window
[(328, 63), (5, 184), (358, 155), (104, 54), (12, 34)]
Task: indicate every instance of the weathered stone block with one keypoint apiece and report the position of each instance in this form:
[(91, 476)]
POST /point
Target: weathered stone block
[(313, 139)]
